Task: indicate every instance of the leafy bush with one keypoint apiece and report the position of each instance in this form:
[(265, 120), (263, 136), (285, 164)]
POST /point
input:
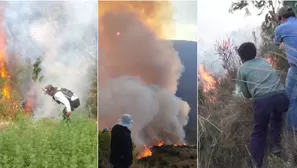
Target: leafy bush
[(49, 143), (37, 70), (104, 148)]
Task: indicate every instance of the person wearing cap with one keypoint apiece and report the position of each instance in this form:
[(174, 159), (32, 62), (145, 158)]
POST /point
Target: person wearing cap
[(286, 34), (121, 146), (65, 97)]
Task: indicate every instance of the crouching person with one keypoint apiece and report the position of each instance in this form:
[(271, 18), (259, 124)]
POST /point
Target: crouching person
[(259, 81), (65, 97), (121, 149)]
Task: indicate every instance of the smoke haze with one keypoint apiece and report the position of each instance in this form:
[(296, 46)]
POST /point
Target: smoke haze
[(139, 73), (64, 35)]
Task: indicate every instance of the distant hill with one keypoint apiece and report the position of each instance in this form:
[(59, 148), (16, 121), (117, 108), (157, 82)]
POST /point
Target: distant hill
[(187, 88)]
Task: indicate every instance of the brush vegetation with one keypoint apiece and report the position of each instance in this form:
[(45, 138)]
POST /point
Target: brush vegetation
[(225, 121), (163, 156), (25, 143), (49, 143)]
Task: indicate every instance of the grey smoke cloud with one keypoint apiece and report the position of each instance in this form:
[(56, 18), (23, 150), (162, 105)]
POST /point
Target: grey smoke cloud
[(138, 74)]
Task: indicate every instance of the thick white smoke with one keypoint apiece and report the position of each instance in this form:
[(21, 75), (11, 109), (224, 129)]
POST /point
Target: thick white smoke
[(139, 75), (64, 35), (158, 114)]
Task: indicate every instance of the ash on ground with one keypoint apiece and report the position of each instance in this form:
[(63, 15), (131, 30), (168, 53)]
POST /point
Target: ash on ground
[(171, 156)]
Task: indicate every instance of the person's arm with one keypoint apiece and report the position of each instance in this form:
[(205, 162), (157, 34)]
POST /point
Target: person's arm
[(278, 37), (60, 97), (241, 82)]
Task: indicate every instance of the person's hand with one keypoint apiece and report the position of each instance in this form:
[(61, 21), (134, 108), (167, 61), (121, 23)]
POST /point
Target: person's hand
[(68, 114)]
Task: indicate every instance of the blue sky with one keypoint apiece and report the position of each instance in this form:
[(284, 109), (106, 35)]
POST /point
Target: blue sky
[(185, 16)]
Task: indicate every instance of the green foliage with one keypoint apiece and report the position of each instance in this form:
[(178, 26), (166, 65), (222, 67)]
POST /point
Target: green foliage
[(104, 147), (36, 71), (293, 4), (269, 22), (267, 30), (49, 143)]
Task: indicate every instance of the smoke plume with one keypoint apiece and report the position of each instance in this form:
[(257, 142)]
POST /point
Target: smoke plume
[(64, 35), (139, 72)]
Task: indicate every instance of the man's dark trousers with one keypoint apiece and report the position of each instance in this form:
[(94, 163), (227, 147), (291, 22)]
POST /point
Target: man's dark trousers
[(268, 110)]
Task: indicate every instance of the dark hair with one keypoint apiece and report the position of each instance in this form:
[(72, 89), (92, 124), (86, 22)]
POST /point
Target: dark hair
[(247, 51), (49, 87), (285, 12)]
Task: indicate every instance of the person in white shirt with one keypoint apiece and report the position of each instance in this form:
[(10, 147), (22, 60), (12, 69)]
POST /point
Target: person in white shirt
[(65, 97)]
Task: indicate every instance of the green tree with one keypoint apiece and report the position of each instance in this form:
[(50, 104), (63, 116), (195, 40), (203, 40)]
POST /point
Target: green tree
[(269, 23), (36, 71), (293, 4)]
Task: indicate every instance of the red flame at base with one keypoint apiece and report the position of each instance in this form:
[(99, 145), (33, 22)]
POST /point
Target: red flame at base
[(147, 150), (208, 80)]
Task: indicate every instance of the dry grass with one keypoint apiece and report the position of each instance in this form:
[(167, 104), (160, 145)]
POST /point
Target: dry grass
[(224, 127), (225, 124)]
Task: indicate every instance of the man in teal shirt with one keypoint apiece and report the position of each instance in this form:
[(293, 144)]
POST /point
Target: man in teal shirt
[(259, 81)]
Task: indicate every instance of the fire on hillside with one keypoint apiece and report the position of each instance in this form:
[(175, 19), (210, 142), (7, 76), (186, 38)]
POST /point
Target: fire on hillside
[(171, 156), (8, 89), (148, 152)]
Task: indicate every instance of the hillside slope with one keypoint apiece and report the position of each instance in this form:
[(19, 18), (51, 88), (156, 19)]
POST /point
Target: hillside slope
[(187, 88)]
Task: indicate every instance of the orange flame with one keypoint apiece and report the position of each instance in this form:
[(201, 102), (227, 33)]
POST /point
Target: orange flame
[(208, 80), (155, 14), (147, 152), (271, 61), (160, 144), (179, 145), (29, 104), (3, 63)]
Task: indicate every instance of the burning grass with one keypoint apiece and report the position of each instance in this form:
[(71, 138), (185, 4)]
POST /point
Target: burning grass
[(49, 143), (171, 156), (44, 143), (225, 124), (224, 129), (157, 156), (225, 119)]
